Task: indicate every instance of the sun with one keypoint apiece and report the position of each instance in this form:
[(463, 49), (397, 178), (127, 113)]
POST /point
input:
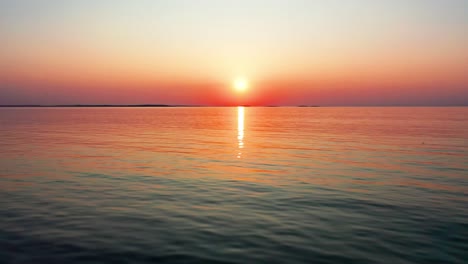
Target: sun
[(241, 84)]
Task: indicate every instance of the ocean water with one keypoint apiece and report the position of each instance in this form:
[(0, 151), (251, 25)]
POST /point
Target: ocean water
[(234, 185)]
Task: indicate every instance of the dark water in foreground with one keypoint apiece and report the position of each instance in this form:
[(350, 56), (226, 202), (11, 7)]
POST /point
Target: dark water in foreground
[(234, 185)]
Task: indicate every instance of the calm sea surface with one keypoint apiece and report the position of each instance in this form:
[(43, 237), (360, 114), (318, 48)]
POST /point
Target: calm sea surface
[(234, 185)]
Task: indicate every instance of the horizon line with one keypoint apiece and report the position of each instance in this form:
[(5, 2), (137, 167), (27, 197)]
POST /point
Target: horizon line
[(184, 105)]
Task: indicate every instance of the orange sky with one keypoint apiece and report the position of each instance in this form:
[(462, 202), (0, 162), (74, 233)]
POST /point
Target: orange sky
[(189, 52)]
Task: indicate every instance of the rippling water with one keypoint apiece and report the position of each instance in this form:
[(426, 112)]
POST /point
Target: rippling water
[(233, 185)]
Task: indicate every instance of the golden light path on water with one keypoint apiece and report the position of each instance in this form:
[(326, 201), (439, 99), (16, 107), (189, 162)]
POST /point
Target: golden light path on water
[(240, 130)]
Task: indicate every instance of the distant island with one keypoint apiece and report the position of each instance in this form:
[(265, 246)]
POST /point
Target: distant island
[(102, 105)]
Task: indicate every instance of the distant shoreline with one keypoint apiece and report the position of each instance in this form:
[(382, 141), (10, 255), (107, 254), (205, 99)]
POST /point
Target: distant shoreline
[(103, 105)]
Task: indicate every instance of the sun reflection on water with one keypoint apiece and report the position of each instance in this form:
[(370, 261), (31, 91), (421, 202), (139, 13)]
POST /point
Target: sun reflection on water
[(240, 130)]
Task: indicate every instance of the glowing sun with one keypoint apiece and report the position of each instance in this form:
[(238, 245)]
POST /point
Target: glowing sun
[(240, 84)]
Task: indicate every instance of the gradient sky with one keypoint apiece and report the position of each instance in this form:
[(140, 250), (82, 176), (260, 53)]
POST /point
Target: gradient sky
[(333, 52)]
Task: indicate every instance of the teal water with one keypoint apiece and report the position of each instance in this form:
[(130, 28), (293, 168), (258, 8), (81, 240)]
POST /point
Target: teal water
[(234, 185)]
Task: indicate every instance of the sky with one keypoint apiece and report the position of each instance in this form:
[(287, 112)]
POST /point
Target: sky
[(291, 52)]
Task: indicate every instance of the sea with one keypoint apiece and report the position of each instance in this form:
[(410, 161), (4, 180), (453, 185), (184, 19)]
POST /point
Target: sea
[(234, 185)]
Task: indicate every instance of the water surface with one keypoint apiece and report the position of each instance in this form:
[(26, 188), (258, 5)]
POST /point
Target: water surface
[(233, 185)]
